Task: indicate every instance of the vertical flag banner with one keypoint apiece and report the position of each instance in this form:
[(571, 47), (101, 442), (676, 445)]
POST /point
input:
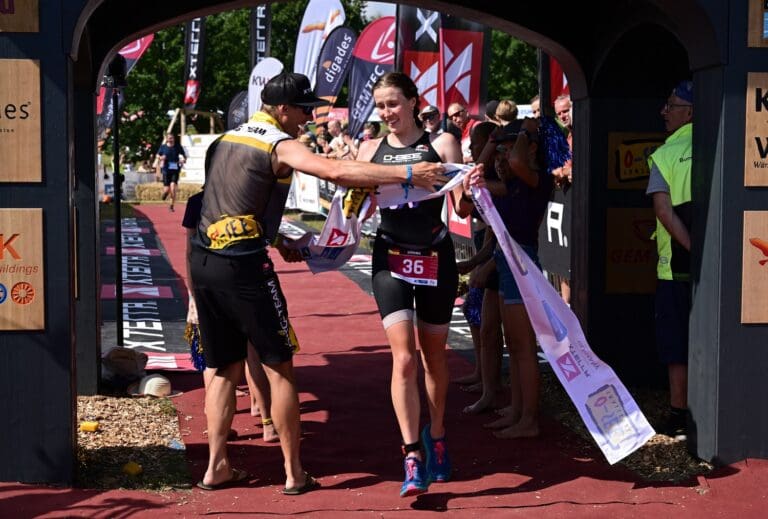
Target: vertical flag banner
[(320, 18), (418, 51), (194, 43), (237, 113), (261, 73), (261, 27), (462, 47), (333, 67), (558, 83), (131, 52), (374, 56)]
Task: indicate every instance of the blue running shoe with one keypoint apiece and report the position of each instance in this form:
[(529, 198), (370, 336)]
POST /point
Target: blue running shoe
[(438, 463), (416, 480)]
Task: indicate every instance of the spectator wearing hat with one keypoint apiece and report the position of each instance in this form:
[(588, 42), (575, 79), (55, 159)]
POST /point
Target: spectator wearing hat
[(235, 284), (430, 118), (670, 186)]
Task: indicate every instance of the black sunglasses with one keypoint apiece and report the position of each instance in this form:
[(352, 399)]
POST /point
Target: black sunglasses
[(428, 117), (307, 110)]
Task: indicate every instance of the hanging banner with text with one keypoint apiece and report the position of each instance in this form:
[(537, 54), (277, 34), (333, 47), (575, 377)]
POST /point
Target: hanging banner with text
[(22, 293), (260, 75), (194, 44), (332, 68), (608, 410), (261, 26), (374, 56), (320, 18), (20, 141)]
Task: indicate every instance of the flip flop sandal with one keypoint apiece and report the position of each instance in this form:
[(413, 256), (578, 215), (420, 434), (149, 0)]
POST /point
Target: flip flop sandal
[(310, 484), (237, 479)]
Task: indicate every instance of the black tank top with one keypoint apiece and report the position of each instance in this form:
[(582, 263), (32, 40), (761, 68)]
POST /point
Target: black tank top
[(419, 223)]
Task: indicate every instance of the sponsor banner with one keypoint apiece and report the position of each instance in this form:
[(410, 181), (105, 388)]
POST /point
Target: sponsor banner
[(320, 18), (554, 231), (261, 30), (20, 140), (418, 51), (463, 44), (104, 109), (628, 158), (374, 56), (237, 113), (332, 68), (194, 43), (754, 282), (22, 289), (19, 16), (610, 413), (756, 130), (307, 192), (630, 256), (265, 70)]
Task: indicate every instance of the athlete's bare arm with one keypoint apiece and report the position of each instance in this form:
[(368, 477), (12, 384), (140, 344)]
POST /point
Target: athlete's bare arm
[(350, 173)]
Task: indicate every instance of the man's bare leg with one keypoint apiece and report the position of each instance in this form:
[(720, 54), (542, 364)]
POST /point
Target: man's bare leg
[(220, 406), (287, 420)]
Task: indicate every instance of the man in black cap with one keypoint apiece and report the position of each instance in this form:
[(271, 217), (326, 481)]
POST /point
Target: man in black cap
[(237, 291)]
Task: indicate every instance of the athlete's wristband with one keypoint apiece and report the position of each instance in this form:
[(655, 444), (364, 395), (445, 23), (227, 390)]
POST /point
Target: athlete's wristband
[(407, 184)]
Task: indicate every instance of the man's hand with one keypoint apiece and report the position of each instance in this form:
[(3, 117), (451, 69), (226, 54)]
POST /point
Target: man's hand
[(289, 255), (428, 175)]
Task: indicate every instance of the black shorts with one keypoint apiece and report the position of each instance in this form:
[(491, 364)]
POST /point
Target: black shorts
[(170, 176), (434, 305), (673, 308), (239, 299)]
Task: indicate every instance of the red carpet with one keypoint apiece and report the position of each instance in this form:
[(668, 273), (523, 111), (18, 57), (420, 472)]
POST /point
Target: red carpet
[(351, 442)]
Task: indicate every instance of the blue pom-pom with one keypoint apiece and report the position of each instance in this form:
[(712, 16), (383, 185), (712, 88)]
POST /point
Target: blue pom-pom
[(553, 138)]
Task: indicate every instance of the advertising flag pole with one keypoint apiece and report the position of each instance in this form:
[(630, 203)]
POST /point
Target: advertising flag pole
[(115, 78)]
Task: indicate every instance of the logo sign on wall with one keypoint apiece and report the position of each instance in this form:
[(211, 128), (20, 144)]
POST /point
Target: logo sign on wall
[(20, 145), (19, 16), (628, 158), (757, 35), (754, 275), (756, 130), (630, 255), (22, 295)]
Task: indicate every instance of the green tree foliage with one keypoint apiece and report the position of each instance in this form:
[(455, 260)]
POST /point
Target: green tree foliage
[(155, 85), (514, 69)]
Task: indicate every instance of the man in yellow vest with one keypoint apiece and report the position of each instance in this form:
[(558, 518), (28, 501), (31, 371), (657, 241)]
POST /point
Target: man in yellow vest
[(670, 186)]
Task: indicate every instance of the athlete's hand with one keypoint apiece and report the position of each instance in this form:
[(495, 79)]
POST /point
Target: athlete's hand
[(289, 255), (475, 177), (428, 175)]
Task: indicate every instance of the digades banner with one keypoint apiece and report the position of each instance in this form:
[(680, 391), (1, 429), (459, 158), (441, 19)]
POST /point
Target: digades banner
[(320, 18), (333, 67), (373, 56)]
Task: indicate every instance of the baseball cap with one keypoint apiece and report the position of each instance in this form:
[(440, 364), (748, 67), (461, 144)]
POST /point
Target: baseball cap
[(290, 88), (684, 90), (429, 110)]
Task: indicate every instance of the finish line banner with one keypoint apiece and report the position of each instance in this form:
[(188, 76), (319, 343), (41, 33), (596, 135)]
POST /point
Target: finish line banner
[(606, 407), (340, 235)]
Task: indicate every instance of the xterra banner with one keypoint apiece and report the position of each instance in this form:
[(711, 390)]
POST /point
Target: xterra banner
[(194, 43), (418, 51), (464, 47)]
